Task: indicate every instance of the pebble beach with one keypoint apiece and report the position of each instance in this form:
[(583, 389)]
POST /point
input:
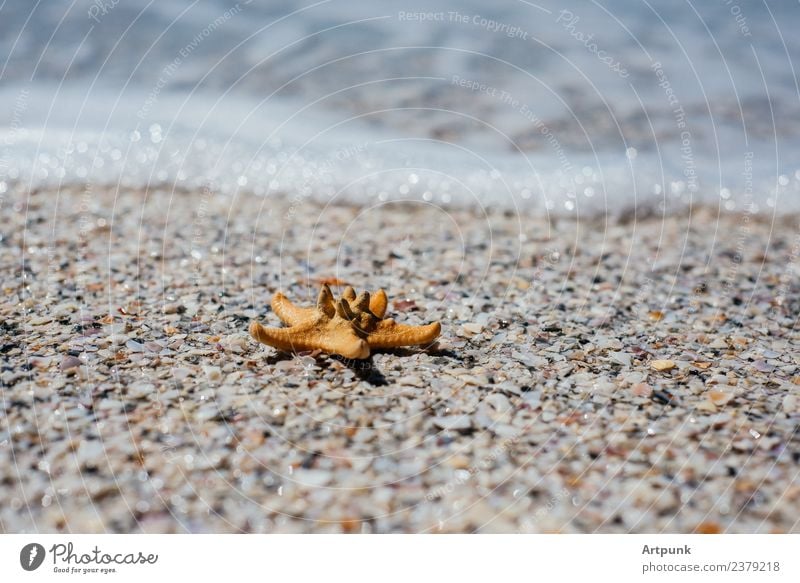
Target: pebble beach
[(628, 373)]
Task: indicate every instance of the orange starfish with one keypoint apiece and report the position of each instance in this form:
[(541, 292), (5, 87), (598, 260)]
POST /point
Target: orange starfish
[(351, 326)]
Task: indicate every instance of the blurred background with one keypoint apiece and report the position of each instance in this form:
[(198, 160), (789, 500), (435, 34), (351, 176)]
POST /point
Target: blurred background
[(568, 107)]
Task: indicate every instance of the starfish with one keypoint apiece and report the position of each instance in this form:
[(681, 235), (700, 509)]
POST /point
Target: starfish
[(351, 326)]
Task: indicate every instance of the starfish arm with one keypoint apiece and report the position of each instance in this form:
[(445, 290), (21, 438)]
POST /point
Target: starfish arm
[(349, 293), (390, 334), (310, 337), (378, 303), (294, 339), (361, 303), (343, 310), (325, 303), (288, 312)]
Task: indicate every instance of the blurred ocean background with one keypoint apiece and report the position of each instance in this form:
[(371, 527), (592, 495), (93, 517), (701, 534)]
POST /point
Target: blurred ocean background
[(568, 107)]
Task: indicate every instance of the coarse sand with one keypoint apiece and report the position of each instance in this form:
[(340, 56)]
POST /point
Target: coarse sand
[(633, 373)]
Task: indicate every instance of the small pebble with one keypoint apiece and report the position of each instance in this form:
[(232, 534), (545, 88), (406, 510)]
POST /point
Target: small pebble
[(214, 373), (134, 346), (471, 328), (453, 422), (662, 365), (70, 363), (719, 398), (622, 358)]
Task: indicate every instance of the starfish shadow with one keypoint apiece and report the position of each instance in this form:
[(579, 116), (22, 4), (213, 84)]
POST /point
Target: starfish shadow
[(279, 356), (365, 369), (432, 351), (444, 353)]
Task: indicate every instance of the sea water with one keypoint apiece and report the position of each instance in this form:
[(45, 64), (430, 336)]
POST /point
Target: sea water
[(565, 107)]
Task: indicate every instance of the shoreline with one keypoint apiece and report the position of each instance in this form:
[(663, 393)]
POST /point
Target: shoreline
[(135, 401)]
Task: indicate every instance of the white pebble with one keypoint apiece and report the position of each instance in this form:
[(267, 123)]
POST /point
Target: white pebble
[(213, 373), (471, 328), (453, 422)]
